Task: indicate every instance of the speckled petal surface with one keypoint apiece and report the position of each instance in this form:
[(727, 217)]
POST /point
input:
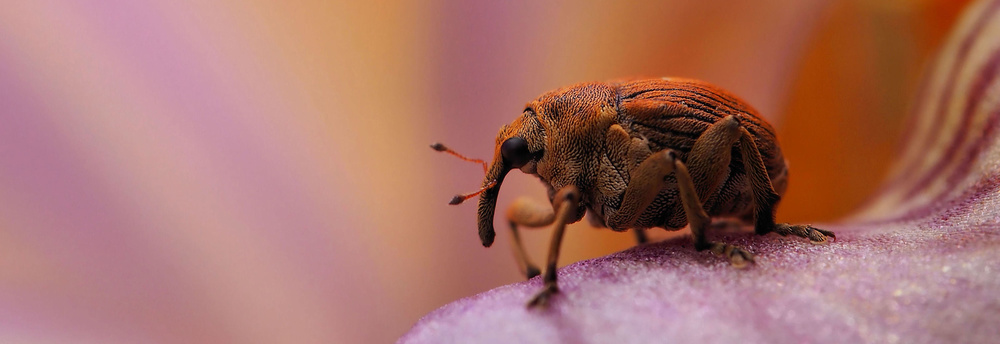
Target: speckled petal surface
[(921, 263), (929, 281)]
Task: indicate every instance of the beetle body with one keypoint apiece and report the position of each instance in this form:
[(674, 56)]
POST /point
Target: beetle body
[(592, 135), (639, 154)]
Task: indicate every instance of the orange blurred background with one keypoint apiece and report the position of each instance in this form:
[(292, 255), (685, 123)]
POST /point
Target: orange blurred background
[(259, 172)]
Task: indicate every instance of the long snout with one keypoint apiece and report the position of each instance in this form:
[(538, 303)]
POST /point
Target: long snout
[(488, 201)]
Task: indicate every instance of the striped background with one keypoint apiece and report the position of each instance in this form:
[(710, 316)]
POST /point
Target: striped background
[(951, 149), (258, 171)]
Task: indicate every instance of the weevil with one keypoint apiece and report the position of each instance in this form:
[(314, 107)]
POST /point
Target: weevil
[(638, 154)]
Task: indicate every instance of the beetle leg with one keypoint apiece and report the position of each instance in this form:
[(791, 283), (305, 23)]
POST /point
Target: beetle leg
[(640, 236), (528, 213), (708, 161), (706, 168), (646, 182), (815, 235), (623, 152), (565, 202), (765, 198), (709, 165), (698, 220)]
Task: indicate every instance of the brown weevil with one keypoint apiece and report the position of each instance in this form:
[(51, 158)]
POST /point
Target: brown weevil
[(638, 154)]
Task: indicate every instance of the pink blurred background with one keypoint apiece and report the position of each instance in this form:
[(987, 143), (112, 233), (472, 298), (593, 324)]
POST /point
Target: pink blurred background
[(247, 171)]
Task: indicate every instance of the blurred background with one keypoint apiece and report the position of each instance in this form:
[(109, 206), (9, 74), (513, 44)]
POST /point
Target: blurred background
[(258, 171)]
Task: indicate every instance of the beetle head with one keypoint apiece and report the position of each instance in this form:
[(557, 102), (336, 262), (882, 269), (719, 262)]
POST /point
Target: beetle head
[(583, 110), (518, 146)]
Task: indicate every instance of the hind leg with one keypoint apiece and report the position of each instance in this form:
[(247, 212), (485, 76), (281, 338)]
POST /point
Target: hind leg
[(698, 220), (765, 198), (700, 177)]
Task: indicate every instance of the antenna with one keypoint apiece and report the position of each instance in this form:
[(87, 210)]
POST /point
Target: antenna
[(458, 199), (442, 148)]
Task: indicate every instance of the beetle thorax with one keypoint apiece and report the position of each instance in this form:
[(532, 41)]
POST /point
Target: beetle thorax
[(574, 151)]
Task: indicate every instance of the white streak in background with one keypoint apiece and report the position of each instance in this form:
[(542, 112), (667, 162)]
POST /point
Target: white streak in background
[(920, 178)]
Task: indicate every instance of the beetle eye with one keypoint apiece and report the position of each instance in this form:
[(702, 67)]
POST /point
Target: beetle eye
[(515, 152)]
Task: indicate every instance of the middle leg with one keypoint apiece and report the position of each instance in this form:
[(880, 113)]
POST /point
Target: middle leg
[(646, 183), (698, 220), (765, 198)]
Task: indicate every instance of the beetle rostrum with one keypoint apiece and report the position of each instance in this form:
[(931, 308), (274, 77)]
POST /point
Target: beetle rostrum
[(638, 154)]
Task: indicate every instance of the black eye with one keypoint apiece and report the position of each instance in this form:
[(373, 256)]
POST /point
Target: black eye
[(515, 152)]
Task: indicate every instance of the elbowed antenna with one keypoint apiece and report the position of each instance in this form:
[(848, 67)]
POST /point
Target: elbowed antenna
[(458, 199), (488, 193)]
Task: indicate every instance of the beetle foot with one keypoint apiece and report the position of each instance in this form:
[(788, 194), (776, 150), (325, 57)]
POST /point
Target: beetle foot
[(815, 235), (738, 257), (541, 300)]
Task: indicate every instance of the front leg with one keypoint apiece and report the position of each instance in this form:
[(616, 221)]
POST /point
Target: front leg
[(566, 202), (527, 213)]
